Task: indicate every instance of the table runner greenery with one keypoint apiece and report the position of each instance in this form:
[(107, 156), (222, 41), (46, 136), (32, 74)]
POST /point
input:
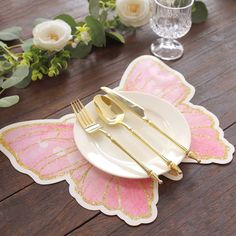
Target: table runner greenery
[(67, 38)]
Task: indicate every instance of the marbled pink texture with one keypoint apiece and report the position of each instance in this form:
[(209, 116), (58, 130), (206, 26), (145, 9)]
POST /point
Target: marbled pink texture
[(130, 196), (35, 145), (42, 148)]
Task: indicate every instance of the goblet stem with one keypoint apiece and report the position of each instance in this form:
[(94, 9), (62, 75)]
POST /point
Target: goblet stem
[(168, 43), (167, 49)]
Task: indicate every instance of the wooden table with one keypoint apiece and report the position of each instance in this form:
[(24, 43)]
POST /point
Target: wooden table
[(203, 203)]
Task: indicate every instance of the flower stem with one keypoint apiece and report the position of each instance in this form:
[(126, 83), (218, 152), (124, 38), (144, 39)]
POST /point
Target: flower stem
[(21, 40), (11, 54), (15, 46), (2, 91)]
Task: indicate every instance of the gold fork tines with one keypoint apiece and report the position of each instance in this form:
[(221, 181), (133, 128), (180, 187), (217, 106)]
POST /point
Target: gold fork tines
[(90, 126), (81, 113)]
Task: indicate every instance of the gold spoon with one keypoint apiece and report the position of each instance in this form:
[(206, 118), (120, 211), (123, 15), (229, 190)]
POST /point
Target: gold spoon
[(111, 113)]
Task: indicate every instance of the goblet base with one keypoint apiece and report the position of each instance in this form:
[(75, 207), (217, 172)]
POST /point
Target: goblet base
[(167, 49)]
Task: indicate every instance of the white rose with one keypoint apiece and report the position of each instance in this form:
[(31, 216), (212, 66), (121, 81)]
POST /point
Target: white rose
[(52, 35), (133, 12)]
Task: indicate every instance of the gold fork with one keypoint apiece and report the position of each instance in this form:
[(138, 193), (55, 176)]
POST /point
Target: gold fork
[(90, 126)]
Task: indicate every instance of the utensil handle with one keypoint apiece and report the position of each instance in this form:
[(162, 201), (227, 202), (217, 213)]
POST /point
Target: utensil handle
[(189, 154), (145, 168), (169, 163)]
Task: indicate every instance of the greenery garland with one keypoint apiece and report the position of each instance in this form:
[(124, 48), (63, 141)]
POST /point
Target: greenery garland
[(33, 63)]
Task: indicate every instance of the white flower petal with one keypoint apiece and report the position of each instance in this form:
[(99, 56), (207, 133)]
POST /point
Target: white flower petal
[(52, 35), (133, 12)]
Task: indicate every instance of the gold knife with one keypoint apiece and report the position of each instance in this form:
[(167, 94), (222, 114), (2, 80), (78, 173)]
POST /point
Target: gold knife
[(139, 111)]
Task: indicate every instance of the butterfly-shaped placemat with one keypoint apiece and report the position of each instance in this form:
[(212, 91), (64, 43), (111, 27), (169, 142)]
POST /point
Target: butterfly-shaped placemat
[(45, 149)]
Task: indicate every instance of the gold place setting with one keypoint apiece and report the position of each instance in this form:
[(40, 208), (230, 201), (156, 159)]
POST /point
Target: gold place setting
[(107, 113), (148, 150)]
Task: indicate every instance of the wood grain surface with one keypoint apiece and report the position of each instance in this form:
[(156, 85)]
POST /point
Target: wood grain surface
[(203, 203)]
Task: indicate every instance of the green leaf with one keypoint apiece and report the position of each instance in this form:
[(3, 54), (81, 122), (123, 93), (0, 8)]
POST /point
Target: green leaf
[(69, 20), (1, 80), (94, 8), (39, 20), (6, 36), (18, 75), (9, 101), (25, 82), (5, 66), (200, 12), (14, 29), (116, 36), (103, 17), (97, 31), (10, 33), (27, 45), (81, 51), (193, 8)]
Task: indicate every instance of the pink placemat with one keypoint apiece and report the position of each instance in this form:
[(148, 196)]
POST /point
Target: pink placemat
[(45, 149)]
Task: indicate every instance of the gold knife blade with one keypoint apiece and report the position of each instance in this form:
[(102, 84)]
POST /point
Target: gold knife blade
[(130, 104)]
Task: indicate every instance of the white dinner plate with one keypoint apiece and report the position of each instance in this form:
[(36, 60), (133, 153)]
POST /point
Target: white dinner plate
[(103, 154)]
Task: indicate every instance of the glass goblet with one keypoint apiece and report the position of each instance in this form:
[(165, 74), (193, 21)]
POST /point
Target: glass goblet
[(171, 19)]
